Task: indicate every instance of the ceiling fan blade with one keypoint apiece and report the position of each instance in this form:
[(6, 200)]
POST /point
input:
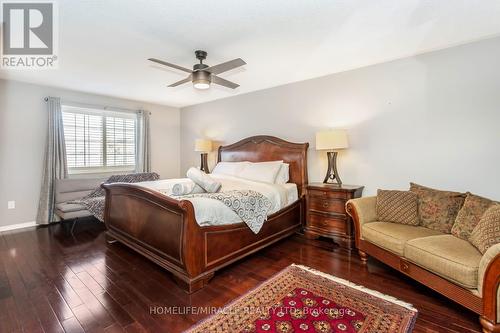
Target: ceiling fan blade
[(225, 66), (223, 82), (178, 83), (170, 65)]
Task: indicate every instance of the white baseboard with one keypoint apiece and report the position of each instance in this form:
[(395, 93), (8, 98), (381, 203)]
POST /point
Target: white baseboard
[(18, 226)]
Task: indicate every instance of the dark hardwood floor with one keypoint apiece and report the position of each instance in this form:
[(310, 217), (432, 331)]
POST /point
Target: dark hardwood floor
[(52, 281)]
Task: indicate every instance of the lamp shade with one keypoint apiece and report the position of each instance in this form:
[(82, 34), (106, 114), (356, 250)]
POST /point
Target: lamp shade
[(203, 145), (332, 140)]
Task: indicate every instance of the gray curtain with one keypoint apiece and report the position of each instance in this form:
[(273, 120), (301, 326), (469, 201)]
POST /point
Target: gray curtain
[(55, 166), (143, 151)]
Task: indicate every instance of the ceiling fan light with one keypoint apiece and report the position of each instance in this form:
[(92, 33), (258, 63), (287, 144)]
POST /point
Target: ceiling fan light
[(201, 84), (201, 80)]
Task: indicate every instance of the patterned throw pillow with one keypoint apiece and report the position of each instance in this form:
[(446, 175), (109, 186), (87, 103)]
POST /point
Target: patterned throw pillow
[(468, 217), (398, 207), (437, 209), (487, 231)]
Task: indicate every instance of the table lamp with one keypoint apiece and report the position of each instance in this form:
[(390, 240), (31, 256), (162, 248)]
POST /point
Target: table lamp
[(332, 141), (204, 146)]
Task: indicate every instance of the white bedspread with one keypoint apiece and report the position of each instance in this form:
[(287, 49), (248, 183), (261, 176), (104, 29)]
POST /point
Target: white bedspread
[(213, 212)]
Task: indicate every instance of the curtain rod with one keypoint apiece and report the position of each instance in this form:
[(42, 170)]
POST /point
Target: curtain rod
[(95, 106)]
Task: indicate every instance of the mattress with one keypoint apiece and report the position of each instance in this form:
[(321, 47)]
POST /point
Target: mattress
[(210, 212)]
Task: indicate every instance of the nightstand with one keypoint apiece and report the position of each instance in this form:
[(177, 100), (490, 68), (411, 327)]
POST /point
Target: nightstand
[(326, 215)]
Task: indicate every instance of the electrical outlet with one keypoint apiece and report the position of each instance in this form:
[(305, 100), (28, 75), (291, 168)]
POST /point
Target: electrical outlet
[(11, 205)]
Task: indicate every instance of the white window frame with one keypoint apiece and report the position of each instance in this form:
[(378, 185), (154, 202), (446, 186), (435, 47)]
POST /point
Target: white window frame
[(74, 108)]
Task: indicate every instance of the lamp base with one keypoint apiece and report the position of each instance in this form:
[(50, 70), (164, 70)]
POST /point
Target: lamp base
[(332, 175), (204, 163)]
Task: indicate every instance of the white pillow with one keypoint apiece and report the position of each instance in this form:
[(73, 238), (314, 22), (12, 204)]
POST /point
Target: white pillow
[(284, 174), (261, 171), (229, 168)]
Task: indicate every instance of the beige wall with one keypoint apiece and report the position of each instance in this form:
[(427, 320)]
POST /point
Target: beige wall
[(23, 126), (432, 119)]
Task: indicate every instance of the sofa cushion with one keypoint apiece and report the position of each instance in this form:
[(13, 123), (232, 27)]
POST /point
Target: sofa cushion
[(393, 236), (397, 207), (73, 215), (468, 217), (487, 231), (437, 209), (69, 207), (450, 257)]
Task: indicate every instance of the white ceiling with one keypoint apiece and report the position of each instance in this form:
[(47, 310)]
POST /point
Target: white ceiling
[(104, 44)]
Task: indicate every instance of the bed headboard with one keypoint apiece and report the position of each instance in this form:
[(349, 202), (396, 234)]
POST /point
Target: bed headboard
[(264, 148)]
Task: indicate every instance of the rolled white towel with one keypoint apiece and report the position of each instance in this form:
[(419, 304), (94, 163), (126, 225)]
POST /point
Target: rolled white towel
[(187, 188), (203, 180)]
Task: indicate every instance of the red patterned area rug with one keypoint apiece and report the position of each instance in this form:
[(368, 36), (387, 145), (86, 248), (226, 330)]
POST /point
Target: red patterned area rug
[(300, 299)]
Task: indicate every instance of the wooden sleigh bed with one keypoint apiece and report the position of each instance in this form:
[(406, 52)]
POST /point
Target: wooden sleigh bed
[(165, 231)]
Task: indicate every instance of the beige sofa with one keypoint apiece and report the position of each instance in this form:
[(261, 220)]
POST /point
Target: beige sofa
[(445, 263)]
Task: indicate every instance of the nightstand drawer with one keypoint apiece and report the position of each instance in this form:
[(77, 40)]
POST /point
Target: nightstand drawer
[(327, 194), (327, 205), (327, 223)]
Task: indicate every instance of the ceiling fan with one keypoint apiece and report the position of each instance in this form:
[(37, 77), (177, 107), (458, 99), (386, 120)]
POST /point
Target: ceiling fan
[(202, 75)]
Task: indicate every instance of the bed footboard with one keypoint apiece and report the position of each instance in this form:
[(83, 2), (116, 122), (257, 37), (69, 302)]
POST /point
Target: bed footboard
[(165, 231), (159, 228)]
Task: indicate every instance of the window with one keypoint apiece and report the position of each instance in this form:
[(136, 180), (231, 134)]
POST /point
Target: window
[(99, 140)]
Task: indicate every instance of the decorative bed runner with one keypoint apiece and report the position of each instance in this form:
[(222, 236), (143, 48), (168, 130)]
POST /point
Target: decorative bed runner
[(251, 206), (300, 299)]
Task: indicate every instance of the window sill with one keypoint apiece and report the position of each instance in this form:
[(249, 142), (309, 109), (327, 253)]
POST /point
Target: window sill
[(99, 171)]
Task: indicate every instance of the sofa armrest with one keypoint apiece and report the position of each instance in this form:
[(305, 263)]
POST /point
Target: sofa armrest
[(489, 282), (362, 210)]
